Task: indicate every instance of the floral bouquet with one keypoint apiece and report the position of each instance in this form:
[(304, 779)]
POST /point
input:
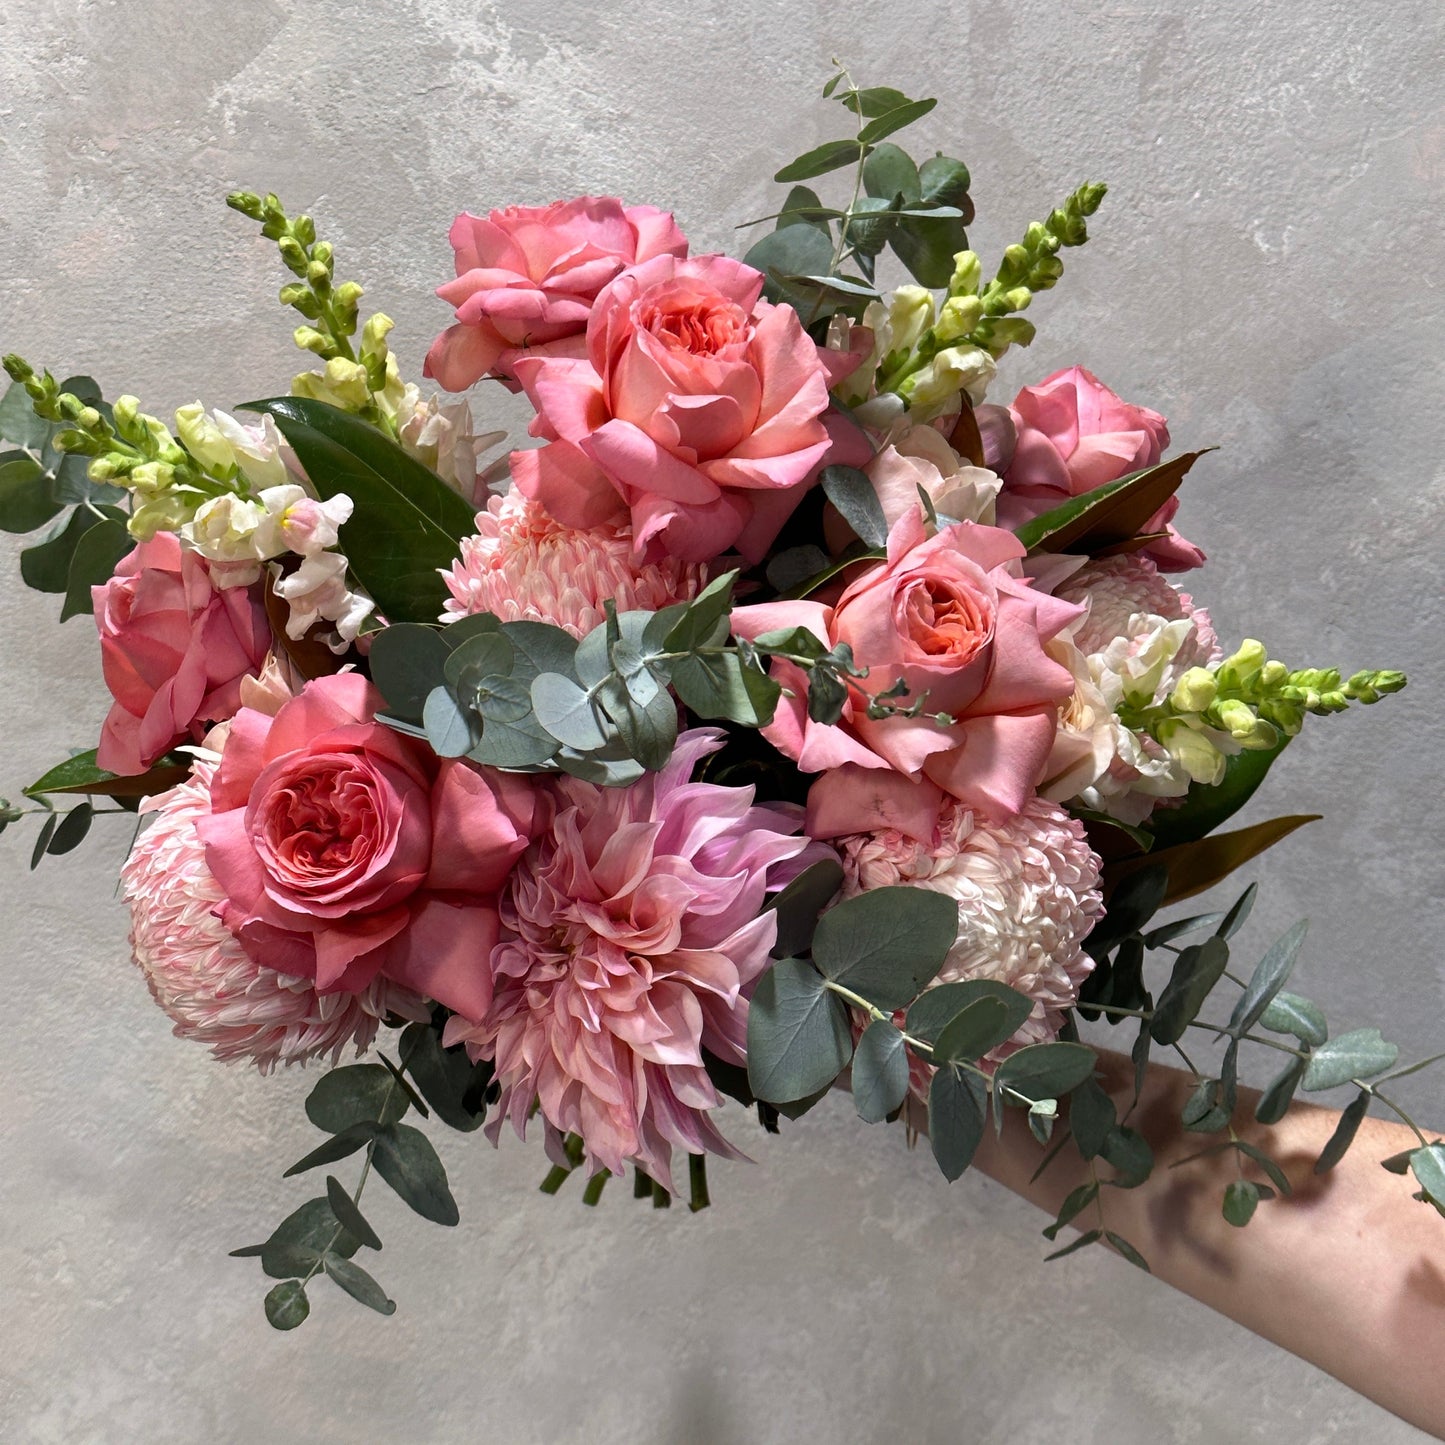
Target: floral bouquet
[(788, 715)]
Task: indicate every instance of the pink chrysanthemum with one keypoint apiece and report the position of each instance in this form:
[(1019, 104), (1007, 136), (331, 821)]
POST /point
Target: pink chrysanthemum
[(1129, 599), (633, 938), (1027, 892), (202, 977), (524, 566)]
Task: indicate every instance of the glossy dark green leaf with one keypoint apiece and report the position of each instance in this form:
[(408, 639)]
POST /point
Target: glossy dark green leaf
[(880, 1072), (405, 1158), (886, 944), (407, 522), (1288, 1013), (957, 1111), (92, 564), (355, 1094), (1109, 515), (1205, 809), (799, 904), (348, 1215), (1359, 1054), (80, 775), (799, 1035), (287, 1305)]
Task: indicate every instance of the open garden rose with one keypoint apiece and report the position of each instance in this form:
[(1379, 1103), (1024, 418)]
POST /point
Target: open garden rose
[(174, 648), (347, 851), (698, 408), (947, 617), (1071, 435), (527, 277)]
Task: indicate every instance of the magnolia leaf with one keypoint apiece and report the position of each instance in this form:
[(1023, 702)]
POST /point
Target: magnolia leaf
[(80, 775), (1193, 867), (1108, 515), (406, 523), (1204, 809)]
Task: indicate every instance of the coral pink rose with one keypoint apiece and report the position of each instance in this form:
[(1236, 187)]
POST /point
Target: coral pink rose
[(174, 649), (1072, 434), (948, 617), (347, 851), (698, 407), (527, 277)]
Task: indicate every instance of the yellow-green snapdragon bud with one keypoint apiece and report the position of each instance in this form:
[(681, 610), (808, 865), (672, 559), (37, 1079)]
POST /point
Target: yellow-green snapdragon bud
[(959, 316), (343, 384), (1195, 691), (204, 439), (1194, 750), (967, 274), (1238, 671)]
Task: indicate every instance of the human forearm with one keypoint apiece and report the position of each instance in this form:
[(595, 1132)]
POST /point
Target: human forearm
[(1348, 1272)]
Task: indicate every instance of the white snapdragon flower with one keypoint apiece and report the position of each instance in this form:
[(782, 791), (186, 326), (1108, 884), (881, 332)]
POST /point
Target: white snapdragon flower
[(439, 435), (317, 592)]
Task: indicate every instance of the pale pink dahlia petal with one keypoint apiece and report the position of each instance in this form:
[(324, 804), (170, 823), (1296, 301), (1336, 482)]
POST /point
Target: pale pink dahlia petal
[(202, 977), (524, 566), (1027, 892), (632, 940)]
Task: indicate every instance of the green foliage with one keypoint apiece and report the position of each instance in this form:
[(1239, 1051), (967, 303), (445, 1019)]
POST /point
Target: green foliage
[(1359, 1054), (799, 1036), (40, 484), (880, 1071), (287, 1305), (800, 903), (957, 1109), (407, 522), (886, 944), (405, 1158), (857, 500), (354, 1094)]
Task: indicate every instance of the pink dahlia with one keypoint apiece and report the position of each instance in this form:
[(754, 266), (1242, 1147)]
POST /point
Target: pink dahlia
[(201, 975), (1027, 887), (524, 566), (633, 935)]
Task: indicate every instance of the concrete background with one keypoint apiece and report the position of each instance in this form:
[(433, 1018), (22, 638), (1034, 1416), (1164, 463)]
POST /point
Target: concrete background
[(1266, 272)]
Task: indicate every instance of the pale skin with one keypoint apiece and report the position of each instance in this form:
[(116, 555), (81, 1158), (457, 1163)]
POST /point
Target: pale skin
[(1348, 1273)]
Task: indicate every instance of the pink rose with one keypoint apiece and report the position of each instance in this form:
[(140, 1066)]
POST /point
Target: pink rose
[(346, 850), (698, 407), (174, 649), (947, 616), (527, 277), (1072, 435)]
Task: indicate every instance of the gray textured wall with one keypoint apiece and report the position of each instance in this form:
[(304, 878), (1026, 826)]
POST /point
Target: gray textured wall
[(1266, 271)]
